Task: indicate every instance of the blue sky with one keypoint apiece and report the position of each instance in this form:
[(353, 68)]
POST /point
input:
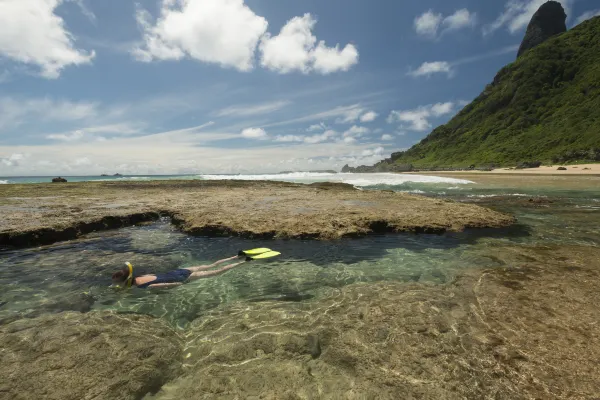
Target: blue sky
[(220, 86)]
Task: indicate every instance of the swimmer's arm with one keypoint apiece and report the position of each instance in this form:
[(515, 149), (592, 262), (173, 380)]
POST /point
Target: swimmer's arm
[(163, 285)]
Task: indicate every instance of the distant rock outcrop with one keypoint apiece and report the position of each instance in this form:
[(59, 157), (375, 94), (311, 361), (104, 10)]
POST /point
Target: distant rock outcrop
[(59, 180), (548, 21), (382, 166)]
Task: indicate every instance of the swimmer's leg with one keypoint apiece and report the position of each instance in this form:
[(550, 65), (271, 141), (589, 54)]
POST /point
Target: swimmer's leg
[(205, 267), (205, 274)]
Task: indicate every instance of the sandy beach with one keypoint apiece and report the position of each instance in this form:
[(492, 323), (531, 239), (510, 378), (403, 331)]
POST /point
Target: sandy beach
[(579, 169)]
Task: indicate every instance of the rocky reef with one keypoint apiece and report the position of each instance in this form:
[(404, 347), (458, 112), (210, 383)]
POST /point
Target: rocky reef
[(549, 20), (42, 214), (87, 356)]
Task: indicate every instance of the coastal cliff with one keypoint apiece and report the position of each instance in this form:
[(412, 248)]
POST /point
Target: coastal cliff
[(544, 107)]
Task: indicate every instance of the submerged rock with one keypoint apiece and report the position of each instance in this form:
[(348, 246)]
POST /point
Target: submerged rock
[(86, 356), (549, 20)]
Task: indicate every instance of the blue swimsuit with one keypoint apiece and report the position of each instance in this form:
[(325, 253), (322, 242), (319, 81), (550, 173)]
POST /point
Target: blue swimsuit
[(176, 276)]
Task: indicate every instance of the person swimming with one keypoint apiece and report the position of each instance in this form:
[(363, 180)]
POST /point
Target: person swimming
[(176, 277)]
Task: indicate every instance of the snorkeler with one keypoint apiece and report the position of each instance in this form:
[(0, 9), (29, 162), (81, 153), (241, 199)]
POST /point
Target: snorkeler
[(178, 277)]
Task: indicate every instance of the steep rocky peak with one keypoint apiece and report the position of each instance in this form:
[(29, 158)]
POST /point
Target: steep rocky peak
[(549, 20)]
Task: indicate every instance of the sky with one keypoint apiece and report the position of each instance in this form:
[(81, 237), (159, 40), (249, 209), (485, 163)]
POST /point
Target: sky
[(241, 86)]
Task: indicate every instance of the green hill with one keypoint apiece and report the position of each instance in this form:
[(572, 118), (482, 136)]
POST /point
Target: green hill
[(545, 106)]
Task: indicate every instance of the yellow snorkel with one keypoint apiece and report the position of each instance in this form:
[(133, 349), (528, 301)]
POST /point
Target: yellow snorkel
[(129, 280)]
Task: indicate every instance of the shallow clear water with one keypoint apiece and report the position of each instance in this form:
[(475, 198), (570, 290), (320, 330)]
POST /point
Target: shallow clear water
[(76, 275)]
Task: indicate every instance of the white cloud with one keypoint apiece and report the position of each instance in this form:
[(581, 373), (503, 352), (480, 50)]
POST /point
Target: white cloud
[(254, 133), (518, 13), (373, 152), (587, 15), (296, 49), (228, 32), (459, 20), (349, 140), (430, 68), (66, 137), (248, 110), (311, 139), (12, 160), (344, 114), (15, 112), (85, 10), (387, 137), (225, 32), (82, 161), (429, 23), (439, 109), (31, 33), (349, 114), (369, 116), (331, 59), (289, 138), (418, 119), (317, 127), (176, 153), (320, 138), (356, 131), (92, 132)]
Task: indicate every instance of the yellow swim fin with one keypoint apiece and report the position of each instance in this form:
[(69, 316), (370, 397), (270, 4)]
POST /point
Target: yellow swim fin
[(262, 256), (253, 252)]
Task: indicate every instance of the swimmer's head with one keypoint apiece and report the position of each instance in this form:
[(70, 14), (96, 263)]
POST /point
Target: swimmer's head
[(123, 275)]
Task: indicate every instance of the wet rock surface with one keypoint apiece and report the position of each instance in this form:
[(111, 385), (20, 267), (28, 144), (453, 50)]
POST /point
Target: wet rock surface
[(86, 356), (48, 214)]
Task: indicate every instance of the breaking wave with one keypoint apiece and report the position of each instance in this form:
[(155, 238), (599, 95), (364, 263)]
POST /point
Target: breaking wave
[(360, 180)]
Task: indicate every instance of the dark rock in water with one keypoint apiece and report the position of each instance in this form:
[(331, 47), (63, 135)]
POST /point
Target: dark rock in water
[(549, 20), (386, 165), (314, 343), (561, 169), (59, 180), (87, 356), (539, 201)]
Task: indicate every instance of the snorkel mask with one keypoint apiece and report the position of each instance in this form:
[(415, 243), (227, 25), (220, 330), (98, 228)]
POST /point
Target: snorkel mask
[(129, 280)]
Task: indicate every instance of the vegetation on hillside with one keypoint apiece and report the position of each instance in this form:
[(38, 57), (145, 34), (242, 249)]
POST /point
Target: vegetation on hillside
[(545, 106)]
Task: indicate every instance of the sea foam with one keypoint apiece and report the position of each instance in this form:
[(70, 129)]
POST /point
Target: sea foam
[(3, 182), (360, 180)]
